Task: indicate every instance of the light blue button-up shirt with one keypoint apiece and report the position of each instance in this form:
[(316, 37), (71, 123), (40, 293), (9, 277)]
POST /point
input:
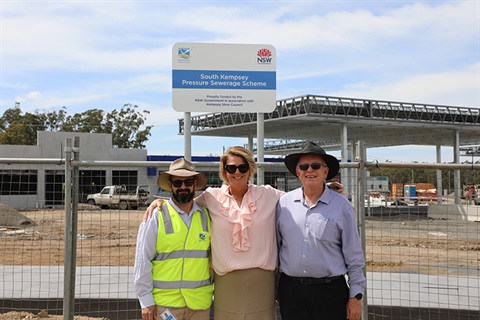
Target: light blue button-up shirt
[(321, 240)]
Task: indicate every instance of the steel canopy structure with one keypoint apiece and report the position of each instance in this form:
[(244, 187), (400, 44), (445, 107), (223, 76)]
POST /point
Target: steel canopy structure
[(323, 118)]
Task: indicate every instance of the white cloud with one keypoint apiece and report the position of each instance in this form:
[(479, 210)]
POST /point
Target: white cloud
[(77, 36), (35, 95), (455, 88), (97, 36)]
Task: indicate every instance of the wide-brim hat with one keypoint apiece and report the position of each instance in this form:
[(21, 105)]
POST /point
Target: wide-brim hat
[(181, 168), (291, 160)]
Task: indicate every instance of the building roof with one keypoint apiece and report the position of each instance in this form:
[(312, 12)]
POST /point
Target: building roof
[(321, 118)]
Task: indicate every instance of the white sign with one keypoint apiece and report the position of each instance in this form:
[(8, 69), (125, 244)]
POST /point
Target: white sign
[(212, 77)]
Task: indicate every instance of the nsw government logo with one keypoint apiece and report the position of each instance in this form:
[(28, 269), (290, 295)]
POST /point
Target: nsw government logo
[(184, 55), (202, 236), (264, 56)]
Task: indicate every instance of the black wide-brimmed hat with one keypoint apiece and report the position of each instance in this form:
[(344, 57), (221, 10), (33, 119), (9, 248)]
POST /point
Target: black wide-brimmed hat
[(311, 148)]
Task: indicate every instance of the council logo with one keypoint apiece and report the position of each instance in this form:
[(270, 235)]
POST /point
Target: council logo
[(183, 54), (264, 56)]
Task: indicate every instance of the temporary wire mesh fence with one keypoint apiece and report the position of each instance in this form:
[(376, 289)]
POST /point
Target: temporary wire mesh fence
[(421, 263)]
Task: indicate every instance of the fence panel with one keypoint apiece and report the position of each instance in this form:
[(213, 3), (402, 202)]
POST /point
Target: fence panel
[(421, 264)]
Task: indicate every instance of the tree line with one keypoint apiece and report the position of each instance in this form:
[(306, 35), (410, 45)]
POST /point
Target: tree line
[(126, 125)]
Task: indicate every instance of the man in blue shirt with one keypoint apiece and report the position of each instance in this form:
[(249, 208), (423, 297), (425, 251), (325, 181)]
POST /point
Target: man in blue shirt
[(319, 246)]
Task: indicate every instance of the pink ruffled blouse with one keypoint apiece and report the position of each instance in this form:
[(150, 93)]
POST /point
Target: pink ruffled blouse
[(242, 237)]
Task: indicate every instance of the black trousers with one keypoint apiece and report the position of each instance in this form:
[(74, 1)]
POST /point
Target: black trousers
[(312, 301)]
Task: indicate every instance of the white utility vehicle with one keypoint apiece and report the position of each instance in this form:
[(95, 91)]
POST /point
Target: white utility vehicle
[(119, 197)]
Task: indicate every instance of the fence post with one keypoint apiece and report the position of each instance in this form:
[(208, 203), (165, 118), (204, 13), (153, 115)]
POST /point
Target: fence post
[(360, 211), (71, 218), (68, 285), (260, 147), (75, 198)]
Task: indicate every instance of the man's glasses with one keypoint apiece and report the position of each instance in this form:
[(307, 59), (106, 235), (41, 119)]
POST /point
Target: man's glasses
[(233, 168), (187, 182), (315, 166)]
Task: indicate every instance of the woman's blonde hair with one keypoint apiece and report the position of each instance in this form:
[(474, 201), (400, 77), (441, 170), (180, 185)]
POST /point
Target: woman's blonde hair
[(243, 153)]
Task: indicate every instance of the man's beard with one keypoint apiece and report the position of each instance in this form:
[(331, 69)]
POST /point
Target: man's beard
[(185, 197)]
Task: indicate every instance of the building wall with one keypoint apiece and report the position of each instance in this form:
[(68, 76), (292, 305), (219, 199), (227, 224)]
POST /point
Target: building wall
[(50, 145), (377, 184), (93, 146)]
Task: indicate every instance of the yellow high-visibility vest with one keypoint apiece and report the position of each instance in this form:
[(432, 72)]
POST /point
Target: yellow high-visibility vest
[(181, 267)]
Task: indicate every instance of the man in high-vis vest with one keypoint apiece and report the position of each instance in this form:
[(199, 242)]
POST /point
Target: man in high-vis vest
[(172, 262)]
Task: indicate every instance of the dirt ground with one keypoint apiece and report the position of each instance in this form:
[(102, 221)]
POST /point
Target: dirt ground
[(394, 243), (403, 242), (104, 238), (16, 315)]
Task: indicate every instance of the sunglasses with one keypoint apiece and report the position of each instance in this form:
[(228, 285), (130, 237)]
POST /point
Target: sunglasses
[(187, 182), (233, 168), (315, 166)]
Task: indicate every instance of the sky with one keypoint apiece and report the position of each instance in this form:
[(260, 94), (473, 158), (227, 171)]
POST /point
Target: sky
[(86, 55)]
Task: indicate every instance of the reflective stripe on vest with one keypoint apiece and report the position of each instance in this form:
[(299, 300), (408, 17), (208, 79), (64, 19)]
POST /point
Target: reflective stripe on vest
[(167, 222), (181, 284), (182, 254)]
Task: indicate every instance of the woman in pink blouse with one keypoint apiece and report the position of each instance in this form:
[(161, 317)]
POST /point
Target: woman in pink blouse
[(244, 248)]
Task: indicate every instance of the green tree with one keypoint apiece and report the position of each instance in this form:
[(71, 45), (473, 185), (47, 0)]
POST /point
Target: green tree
[(126, 125), (55, 120), (19, 129), (91, 121)]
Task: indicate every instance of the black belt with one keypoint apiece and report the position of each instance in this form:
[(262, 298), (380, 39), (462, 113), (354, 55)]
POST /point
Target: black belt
[(309, 281)]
